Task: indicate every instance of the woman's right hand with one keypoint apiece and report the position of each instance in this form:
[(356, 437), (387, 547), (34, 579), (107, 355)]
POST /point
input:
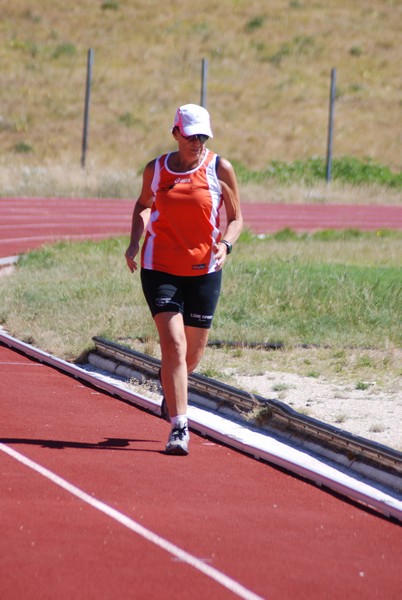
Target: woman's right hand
[(130, 255)]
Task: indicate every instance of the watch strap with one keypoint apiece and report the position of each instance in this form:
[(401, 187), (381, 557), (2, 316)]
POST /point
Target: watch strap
[(228, 245)]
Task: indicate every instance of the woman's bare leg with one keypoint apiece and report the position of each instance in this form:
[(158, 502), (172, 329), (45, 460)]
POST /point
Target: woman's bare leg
[(197, 339), (173, 344), (182, 348)]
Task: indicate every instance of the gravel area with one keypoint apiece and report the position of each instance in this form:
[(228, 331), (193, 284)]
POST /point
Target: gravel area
[(372, 413)]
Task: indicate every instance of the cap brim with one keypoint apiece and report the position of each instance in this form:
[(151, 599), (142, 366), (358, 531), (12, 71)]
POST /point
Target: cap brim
[(196, 129)]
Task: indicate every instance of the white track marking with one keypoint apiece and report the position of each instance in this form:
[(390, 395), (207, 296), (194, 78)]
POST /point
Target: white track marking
[(154, 538), (20, 364)]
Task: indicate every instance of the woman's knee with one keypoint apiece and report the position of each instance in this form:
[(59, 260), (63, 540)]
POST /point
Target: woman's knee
[(171, 336), (197, 340)]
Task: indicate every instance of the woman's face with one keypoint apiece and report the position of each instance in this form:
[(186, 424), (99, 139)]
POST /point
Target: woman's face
[(191, 146)]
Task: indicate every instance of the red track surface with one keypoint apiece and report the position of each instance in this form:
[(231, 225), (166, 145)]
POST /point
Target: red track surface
[(28, 222), (275, 535)]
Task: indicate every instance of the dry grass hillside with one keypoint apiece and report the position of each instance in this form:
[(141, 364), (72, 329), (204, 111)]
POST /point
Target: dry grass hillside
[(269, 69)]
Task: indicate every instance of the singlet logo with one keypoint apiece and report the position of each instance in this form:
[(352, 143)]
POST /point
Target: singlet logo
[(176, 181)]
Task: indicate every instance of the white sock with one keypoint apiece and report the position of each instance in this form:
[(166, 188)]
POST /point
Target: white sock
[(179, 421)]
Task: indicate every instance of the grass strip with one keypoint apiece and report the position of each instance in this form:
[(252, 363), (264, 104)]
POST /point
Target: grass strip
[(346, 170), (339, 290)]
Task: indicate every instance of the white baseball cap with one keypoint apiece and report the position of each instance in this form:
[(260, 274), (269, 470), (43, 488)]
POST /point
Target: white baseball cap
[(192, 119)]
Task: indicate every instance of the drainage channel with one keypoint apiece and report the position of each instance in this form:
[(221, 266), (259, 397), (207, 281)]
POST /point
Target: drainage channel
[(375, 462)]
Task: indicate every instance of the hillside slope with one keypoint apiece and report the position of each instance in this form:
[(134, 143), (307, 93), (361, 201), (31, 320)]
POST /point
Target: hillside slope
[(269, 67)]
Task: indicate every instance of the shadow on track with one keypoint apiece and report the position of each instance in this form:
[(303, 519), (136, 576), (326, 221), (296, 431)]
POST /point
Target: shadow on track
[(106, 444)]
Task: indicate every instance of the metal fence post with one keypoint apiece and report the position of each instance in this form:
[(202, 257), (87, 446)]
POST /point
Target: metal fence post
[(204, 70), (90, 60), (331, 125)]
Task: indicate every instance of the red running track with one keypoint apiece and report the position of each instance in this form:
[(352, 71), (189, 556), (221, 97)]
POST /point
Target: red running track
[(273, 534), (26, 223), (93, 514)]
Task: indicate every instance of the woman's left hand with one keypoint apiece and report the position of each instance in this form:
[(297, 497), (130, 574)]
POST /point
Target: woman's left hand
[(220, 255)]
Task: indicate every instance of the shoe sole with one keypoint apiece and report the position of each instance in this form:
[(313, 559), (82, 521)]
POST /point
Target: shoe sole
[(177, 451)]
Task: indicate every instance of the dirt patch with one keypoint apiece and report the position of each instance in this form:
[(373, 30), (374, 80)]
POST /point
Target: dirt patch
[(372, 413), (6, 270)]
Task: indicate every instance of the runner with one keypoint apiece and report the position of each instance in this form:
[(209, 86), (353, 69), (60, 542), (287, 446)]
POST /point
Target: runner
[(184, 252)]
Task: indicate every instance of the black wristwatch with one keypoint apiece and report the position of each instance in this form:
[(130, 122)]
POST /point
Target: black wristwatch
[(228, 246)]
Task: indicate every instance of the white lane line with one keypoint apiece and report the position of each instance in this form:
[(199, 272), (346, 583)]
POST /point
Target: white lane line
[(148, 535), (19, 364), (54, 237), (72, 222)]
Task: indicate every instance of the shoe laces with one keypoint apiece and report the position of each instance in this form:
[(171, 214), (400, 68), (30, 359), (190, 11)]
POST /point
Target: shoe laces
[(178, 433)]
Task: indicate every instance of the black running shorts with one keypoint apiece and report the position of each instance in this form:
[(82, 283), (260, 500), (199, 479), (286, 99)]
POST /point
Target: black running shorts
[(194, 297)]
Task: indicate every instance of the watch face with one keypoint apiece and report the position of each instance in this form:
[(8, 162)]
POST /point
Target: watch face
[(228, 246)]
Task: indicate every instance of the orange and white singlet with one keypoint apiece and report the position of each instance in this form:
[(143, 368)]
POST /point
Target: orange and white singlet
[(184, 222)]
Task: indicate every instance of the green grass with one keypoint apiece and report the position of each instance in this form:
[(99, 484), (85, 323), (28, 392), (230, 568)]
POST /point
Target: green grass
[(347, 170), (315, 302), (337, 294), (298, 300)]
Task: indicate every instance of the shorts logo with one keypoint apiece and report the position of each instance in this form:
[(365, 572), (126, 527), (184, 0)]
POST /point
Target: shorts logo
[(164, 301), (201, 317)]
